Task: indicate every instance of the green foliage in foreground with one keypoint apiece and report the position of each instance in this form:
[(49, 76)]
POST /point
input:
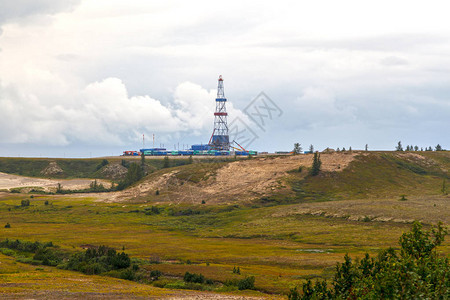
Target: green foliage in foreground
[(414, 272), (92, 261), (96, 261)]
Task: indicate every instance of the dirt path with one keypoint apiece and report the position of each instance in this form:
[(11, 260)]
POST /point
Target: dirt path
[(8, 181)]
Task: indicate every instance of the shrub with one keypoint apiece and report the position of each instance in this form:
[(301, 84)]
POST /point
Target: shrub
[(8, 252), (166, 162), (8, 225), (96, 261), (25, 202), (246, 284), (128, 274), (192, 277), (102, 164), (155, 274)]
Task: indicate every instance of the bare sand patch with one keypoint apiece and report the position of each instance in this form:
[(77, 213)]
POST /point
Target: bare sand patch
[(8, 181)]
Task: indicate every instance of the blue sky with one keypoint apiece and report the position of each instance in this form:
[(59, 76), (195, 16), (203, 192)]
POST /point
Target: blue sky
[(88, 78)]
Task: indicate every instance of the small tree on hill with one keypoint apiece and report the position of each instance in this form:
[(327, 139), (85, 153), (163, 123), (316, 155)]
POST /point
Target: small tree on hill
[(438, 147), (143, 161), (315, 169), (166, 162), (416, 148), (297, 149), (59, 188), (399, 146), (311, 148), (367, 147)]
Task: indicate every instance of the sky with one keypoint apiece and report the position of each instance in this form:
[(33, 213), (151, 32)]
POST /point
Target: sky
[(85, 78)]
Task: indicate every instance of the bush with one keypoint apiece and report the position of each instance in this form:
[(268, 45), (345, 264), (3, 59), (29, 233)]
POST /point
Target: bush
[(8, 225), (246, 284), (155, 274), (8, 252), (154, 210), (192, 277), (128, 274), (166, 162), (96, 261), (25, 203), (102, 164)]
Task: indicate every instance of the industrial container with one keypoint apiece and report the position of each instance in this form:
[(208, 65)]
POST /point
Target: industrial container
[(200, 147)]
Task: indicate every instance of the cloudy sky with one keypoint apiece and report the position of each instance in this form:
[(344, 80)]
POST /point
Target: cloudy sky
[(88, 78)]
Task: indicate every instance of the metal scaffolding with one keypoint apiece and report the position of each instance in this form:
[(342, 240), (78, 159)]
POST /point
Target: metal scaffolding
[(220, 139)]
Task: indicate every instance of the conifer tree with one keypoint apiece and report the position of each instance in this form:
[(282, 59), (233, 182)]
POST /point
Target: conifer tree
[(315, 169)]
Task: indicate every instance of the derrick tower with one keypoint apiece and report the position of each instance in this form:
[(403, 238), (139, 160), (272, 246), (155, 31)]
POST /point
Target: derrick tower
[(220, 139)]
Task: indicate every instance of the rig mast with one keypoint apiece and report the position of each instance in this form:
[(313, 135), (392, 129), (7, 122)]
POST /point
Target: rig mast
[(220, 139)]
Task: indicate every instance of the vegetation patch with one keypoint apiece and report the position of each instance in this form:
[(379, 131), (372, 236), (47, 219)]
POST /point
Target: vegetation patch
[(416, 271)]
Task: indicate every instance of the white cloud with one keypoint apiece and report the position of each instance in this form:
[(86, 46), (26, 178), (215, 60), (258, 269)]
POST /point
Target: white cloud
[(102, 113)]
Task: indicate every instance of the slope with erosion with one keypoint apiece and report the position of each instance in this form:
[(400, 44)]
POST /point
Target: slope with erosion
[(227, 182)]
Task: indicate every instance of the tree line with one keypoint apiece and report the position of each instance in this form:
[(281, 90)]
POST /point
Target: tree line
[(399, 147)]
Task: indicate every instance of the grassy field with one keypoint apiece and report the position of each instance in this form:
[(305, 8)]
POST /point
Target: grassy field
[(208, 240), (280, 245)]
